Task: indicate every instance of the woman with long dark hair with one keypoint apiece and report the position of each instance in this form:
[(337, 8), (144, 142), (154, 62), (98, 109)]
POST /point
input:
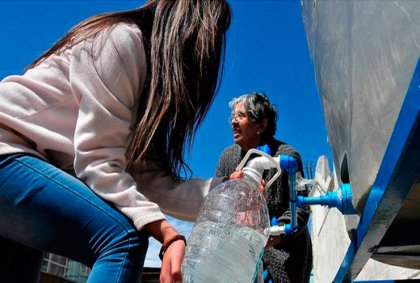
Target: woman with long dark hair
[(92, 136)]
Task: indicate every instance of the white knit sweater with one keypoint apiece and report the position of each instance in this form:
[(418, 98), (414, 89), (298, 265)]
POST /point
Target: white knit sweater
[(76, 109)]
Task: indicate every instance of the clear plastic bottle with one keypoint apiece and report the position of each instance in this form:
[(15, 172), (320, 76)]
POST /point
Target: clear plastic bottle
[(227, 242)]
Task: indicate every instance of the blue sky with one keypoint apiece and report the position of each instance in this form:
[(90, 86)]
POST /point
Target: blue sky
[(266, 51)]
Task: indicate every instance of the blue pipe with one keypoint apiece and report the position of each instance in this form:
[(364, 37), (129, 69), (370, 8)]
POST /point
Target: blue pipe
[(290, 164), (341, 199), (293, 202), (264, 148)]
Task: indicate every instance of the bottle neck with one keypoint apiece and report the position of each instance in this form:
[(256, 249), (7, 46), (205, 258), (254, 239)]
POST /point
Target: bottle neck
[(252, 177)]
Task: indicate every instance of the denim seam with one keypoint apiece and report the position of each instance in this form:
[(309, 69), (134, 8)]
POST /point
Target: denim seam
[(125, 260), (75, 193)]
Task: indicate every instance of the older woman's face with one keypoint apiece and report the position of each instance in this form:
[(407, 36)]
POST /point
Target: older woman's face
[(246, 133)]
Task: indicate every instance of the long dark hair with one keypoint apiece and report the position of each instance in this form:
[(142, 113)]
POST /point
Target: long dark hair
[(184, 42)]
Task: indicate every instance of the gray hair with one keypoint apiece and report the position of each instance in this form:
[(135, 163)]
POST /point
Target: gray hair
[(258, 108)]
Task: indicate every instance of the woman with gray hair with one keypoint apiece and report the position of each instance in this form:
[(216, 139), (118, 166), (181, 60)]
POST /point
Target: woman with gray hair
[(253, 120)]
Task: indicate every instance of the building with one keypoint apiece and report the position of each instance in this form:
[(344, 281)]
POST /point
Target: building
[(58, 269)]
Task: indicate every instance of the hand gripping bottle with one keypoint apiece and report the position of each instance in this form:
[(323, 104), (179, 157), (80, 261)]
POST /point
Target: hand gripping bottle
[(228, 239)]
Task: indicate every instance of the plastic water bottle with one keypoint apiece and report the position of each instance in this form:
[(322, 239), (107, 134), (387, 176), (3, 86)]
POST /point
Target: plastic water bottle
[(228, 239)]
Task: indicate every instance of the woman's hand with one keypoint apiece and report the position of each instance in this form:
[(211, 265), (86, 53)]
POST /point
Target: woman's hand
[(170, 271), (171, 263), (238, 174), (274, 240), (261, 188)]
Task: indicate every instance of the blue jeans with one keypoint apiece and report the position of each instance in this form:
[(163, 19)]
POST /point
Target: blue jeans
[(45, 208)]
